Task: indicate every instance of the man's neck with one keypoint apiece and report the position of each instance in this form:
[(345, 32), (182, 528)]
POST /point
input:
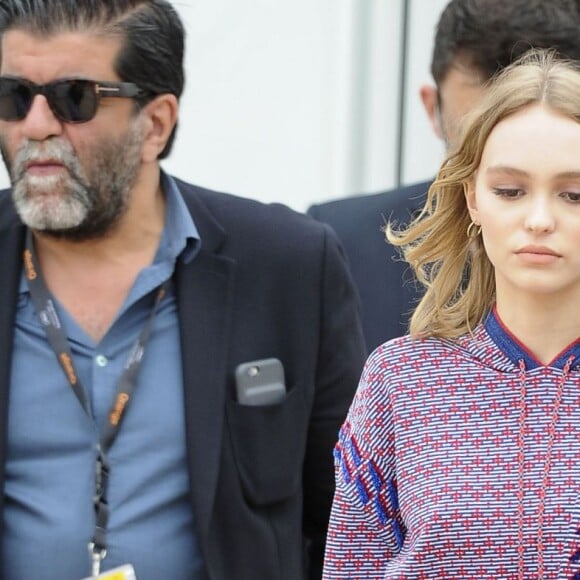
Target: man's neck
[(136, 234), (92, 278)]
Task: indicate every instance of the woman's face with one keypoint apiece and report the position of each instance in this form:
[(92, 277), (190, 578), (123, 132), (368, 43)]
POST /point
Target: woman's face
[(526, 197)]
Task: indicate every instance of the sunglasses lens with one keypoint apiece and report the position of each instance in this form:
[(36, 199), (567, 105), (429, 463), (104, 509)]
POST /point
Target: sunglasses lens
[(74, 101), (71, 100), (15, 99)]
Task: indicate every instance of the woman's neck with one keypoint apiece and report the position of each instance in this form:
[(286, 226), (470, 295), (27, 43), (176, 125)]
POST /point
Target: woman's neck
[(545, 327)]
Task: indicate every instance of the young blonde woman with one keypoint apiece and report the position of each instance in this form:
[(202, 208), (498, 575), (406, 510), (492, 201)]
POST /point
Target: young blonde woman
[(460, 455)]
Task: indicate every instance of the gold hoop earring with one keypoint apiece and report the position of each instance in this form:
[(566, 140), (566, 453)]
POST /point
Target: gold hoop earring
[(473, 230)]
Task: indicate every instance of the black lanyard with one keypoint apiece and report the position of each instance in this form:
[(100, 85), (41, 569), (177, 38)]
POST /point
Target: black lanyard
[(46, 311)]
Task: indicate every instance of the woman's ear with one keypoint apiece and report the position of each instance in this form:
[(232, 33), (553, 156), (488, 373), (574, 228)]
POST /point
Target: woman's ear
[(161, 118), (471, 199)]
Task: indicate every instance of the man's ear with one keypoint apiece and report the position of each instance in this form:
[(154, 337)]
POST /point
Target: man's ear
[(429, 98), (471, 199), (161, 117)]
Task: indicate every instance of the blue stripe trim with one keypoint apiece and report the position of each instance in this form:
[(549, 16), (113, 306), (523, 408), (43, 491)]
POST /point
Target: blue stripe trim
[(353, 451), (381, 513), (375, 477), (362, 492), (344, 468), (398, 533), (393, 495)]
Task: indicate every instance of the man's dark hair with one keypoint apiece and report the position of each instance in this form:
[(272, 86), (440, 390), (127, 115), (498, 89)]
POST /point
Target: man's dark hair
[(151, 31), (488, 35)]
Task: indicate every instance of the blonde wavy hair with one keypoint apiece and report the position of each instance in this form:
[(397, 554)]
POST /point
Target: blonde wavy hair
[(454, 268)]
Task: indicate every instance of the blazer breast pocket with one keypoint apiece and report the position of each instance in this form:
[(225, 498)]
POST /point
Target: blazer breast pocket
[(268, 443)]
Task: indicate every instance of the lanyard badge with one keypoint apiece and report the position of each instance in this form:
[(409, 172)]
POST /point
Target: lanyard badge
[(126, 572)]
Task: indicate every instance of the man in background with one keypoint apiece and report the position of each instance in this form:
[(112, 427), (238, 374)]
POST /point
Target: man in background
[(474, 40)]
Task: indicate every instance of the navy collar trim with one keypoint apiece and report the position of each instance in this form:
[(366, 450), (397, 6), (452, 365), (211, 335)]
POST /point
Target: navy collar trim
[(516, 350)]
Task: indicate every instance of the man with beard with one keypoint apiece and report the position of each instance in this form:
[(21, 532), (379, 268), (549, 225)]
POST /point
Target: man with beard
[(474, 40), (129, 299)]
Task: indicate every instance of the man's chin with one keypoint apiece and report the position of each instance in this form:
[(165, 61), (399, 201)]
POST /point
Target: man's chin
[(79, 227), (42, 184), (42, 215), (51, 228)]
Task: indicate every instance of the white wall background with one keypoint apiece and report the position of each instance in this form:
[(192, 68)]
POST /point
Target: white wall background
[(422, 152), (300, 101)]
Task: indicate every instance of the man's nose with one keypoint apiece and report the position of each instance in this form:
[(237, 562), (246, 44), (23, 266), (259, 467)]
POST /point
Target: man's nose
[(40, 122)]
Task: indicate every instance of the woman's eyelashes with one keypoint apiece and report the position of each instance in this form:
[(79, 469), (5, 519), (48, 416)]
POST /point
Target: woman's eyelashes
[(508, 192), (572, 197)]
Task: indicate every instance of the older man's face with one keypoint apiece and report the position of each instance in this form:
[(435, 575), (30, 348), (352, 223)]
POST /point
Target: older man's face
[(71, 180)]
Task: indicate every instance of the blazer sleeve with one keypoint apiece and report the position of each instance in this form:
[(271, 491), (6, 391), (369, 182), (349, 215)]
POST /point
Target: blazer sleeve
[(366, 528), (341, 358)]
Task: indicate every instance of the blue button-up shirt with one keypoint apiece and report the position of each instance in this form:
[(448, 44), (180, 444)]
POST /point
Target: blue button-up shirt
[(49, 515)]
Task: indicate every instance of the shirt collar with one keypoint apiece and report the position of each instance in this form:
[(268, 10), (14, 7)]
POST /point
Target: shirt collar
[(180, 235)]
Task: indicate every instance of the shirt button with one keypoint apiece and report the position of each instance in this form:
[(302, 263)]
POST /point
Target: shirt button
[(101, 360)]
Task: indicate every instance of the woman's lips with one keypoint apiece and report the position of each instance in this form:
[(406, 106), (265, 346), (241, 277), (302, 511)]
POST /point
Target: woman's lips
[(538, 254)]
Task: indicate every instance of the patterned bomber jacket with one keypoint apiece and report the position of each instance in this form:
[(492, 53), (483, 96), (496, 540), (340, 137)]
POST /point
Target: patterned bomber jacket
[(459, 459)]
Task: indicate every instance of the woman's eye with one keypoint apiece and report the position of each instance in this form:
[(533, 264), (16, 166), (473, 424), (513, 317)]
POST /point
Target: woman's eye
[(508, 192), (571, 196)]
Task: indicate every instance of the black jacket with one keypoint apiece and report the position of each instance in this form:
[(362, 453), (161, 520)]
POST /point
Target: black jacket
[(387, 287)]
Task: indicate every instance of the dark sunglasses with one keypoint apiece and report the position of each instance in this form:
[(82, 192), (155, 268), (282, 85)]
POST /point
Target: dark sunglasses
[(70, 100)]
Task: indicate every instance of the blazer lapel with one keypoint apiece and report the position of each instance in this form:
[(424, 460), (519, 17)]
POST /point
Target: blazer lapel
[(11, 245), (204, 290)]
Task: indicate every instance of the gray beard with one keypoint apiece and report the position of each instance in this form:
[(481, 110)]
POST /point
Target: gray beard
[(78, 204)]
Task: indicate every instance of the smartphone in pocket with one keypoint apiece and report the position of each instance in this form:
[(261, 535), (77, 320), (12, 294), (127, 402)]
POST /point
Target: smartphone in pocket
[(260, 382)]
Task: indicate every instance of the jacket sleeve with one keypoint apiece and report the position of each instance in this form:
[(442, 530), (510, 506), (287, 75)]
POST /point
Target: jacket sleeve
[(340, 361), (366, 528)]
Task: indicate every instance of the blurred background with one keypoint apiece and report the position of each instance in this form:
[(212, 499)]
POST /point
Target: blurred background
[(305, 101)]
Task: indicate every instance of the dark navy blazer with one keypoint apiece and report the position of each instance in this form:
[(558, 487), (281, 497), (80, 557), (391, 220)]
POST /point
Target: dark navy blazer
[(268, 282), (387, 288)]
